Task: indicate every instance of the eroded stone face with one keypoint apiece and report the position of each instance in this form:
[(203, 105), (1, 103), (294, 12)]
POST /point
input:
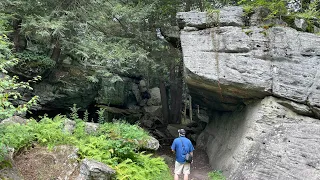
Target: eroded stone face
[(229, 65), (265, 140)]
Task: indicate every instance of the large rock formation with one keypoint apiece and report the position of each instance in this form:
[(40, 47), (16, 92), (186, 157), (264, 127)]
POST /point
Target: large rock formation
[(233, 66), (265, 140)]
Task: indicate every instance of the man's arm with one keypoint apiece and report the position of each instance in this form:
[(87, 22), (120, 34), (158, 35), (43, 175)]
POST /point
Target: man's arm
[(173, 146)]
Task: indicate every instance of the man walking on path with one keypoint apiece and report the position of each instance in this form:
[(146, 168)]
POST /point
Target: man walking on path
[(181, 146)]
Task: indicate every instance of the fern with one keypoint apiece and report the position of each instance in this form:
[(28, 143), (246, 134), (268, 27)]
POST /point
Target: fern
[(86, 116), (3, 151), (74, 112), (115, 144), (100, 113)]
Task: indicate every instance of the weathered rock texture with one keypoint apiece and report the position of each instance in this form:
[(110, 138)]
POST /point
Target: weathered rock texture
[(8, 169), (91, 169), (265, 140), (40, 163), (235, 66), (227, 65)]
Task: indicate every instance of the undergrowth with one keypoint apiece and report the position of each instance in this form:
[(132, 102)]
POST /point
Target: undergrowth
[(115, 144), (279, 10), (216, 175)]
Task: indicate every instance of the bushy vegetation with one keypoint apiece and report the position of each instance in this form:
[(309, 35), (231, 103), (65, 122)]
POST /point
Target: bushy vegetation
[(276, 7), (115, 144), (10, 87), (216, 175), (36, 60)]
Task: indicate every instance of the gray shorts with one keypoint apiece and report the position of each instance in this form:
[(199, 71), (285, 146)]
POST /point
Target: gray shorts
[(181, 167)]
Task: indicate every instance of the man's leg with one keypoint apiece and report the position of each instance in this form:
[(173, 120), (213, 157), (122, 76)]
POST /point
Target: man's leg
[(186, 177), (177, 170), (176, 177), (186, 171)]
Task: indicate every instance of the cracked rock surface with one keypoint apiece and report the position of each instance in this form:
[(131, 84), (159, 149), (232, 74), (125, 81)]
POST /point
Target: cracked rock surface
[(228, 65), (265, 140)]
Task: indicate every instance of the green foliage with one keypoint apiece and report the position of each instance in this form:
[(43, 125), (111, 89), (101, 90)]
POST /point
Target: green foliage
[(10, 86), (115, 144), (144, 167), (101, 118), (17, 136), (122, 129), (9, 91), (216, 175), (86, 116), (248, 32), (311, 12), (277, 8), (49, 131), (74, 112), (32, 59), (3, 151)]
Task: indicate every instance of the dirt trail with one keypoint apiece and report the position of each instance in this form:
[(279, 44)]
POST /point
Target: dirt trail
[(199, 168)]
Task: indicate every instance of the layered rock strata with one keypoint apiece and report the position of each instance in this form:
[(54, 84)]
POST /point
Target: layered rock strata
[(233, 64)]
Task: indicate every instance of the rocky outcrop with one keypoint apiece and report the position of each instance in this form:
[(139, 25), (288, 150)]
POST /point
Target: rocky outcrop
[(14, 119), (228, 65), (265, 140), (8, 169), (66, 86), (59, 163), (115, 91), (151, 144), (91, 169), (235, 66), (90, 88)]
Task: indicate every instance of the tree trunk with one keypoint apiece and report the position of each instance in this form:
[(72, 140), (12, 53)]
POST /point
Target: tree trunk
[(164, 102), (176, 93), (190, 108), (173, 95), (179, 92), (56, 51), (16, 35)]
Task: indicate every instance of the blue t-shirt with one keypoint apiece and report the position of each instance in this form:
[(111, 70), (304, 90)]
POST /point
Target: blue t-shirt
[(180, 151)]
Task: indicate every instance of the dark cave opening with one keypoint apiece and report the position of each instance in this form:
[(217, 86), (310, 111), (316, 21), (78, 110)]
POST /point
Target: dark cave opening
[(52, 112)]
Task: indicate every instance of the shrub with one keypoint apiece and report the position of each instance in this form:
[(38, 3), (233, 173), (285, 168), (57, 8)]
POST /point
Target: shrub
[(277, 8), (115, 144), (216, 175), (9, 86), (36, 60), (3, 151)]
